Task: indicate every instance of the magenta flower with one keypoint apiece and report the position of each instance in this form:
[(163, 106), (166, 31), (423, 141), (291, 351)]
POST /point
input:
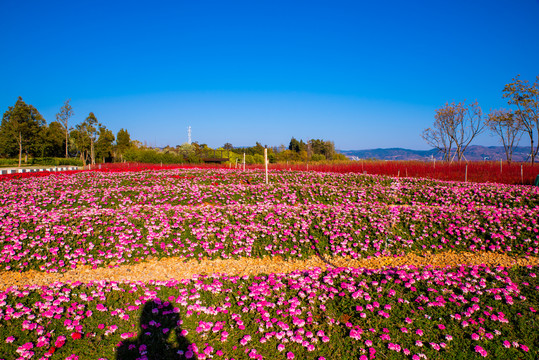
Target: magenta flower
[(481, 351)]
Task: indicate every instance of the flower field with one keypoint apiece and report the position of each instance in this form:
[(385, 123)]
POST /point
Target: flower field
[(473, 171), (57, 222)]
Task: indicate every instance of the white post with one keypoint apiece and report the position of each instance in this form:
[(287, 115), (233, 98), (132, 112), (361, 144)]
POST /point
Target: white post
[(522, 174), (266, 163), (501, 166), (243, 161), (466, 174)]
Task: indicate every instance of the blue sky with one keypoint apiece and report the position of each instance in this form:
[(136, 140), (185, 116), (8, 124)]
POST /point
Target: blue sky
[(363, 74)]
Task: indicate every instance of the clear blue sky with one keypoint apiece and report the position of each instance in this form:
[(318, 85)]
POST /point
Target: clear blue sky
[(364, 74)]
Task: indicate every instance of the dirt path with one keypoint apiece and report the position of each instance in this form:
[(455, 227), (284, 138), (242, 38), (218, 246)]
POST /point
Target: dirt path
[(168, 268)]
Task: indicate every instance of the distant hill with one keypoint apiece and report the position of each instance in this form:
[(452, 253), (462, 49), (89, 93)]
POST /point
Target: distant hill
[(473, 153)]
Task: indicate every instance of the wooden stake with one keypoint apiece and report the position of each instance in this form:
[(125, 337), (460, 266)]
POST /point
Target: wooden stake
[(266, 163)]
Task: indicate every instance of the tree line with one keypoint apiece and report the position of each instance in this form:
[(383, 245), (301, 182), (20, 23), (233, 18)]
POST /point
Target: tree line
[(457, 124), (24, 132)]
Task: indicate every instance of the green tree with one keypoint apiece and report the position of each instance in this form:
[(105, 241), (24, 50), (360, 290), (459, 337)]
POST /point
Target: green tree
[(525, 97), (228, 146), (104, 146), (52, 142), (62, 117), (85, 136), (81, 142), (20, 128), (91, 126), (294, 145), (258, 149), (123, 142)]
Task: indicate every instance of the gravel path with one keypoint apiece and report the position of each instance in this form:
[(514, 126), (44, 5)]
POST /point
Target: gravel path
[(168, 268)]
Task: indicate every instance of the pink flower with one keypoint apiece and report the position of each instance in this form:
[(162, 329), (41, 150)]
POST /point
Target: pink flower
[(60, 341), (325, 339), (290, 355), (481, 351), (507, 344), (280, 347), (10, 339), (368, 343)]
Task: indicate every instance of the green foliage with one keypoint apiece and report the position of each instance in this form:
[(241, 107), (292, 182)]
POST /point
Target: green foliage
[(62, 117), (20, 130), (150, 156), (104, 145), (525, 97), (53, 161), (123, 141), (85, 136), (294, 145), (52, 140), (318, 157)]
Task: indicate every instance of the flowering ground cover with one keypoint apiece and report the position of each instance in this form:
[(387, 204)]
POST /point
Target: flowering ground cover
[(475, 171), (62, 221), (394, 313), (58, 222)]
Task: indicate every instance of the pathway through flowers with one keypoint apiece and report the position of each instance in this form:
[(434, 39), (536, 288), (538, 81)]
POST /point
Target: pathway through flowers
[(175, 268)]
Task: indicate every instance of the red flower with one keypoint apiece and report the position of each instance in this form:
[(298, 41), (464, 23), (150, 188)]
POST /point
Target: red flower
[(51, 350), (76, 336)]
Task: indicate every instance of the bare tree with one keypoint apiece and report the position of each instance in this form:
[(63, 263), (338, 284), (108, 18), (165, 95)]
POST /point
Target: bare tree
[(459, 124), (509, 129), (63, 118), (438, 137), (526, 98)]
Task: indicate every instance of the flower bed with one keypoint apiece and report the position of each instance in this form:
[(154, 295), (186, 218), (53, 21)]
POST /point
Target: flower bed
[(466, 312), (58, 222)]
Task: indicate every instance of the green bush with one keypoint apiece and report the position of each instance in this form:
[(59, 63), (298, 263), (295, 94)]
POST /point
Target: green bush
[(46, 161)]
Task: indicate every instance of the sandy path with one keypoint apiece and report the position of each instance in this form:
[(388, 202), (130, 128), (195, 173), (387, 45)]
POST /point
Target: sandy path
[(176, 268)]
